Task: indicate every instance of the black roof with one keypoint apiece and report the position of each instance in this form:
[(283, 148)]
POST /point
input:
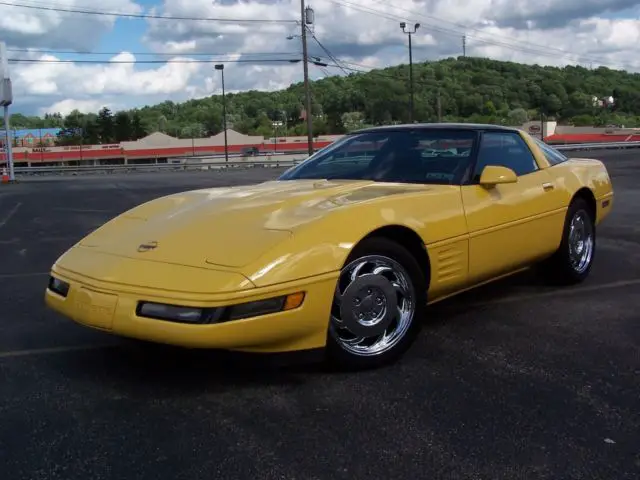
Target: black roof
[(439, 126)]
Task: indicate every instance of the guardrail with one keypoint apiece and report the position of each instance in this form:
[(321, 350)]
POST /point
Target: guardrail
[(142, 167), (596, 146), (254, 162)]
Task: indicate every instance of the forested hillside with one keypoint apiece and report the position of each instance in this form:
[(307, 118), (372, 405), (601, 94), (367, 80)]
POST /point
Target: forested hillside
[(462, 89)]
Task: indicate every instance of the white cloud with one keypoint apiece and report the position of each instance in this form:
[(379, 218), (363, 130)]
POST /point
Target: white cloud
[(363, 32), (92, 84), (30, 27), (67, 106)]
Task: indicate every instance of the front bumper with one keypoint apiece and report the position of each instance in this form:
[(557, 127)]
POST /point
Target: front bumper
[(112, 307)]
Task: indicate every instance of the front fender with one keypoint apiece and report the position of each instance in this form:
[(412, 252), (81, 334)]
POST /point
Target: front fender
[(317, 250), (320, 243)]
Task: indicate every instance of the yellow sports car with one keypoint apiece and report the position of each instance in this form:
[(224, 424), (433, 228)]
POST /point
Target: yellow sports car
[(344, 251)]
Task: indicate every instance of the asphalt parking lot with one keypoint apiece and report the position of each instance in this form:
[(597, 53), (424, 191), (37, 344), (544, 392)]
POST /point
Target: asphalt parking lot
[(513, 381)]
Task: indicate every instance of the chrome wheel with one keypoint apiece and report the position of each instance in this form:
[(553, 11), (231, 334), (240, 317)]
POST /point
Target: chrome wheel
[(374, 306), (581, 241)]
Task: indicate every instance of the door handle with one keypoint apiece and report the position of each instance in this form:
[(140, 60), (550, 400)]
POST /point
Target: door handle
[(547, 186)]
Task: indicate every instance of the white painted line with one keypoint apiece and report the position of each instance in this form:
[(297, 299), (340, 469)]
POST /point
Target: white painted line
[(84, 210), (9, 215), (53, 350), (22, 275), (559, 292), (15, 240)]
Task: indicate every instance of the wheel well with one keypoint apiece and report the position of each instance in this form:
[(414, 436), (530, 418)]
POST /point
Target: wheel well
[(410, 240), (588, 196)]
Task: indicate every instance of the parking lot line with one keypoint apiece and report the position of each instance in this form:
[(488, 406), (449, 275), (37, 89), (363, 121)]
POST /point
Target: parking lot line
[(53, 350), (9, 215), (85, 210), (559, 292), (22, 275)]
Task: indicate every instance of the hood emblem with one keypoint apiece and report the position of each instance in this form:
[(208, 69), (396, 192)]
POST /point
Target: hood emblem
[(145, 247)]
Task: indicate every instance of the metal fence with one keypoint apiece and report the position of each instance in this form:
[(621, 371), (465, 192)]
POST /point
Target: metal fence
[(218, 162), (596, 146), (214, 164)]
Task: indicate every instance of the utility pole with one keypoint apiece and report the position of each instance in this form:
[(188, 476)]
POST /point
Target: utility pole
[(464, 45), (439, 108), (305, 63), (403, 26), (224, 113)]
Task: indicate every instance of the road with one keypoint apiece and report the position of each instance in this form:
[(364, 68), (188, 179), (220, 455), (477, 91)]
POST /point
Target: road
[(514, 381)]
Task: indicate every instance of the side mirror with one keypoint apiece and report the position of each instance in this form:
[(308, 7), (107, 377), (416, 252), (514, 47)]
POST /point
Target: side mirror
[(494, 175)]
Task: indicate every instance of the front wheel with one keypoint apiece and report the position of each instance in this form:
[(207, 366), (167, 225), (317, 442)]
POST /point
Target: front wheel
[(572, 262), (378, 303)]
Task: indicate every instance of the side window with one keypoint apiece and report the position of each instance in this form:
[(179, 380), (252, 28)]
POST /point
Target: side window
[(504, 149), (552, 155)]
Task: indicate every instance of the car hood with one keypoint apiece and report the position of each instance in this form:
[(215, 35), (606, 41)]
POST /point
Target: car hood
[(227, 227)]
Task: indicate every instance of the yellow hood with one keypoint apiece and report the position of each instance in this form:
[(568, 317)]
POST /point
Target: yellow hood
[(227, 227)]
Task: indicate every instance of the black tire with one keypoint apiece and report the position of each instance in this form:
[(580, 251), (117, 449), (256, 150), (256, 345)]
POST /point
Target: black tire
[(559, 268), (337, 355)]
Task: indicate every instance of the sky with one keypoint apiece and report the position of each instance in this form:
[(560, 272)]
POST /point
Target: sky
[(119, 54)]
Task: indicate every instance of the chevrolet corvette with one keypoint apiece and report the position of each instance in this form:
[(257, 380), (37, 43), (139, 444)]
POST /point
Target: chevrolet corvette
[(344, 252)]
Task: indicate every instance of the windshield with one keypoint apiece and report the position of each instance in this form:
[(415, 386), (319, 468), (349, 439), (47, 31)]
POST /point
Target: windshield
[(553, 156), (408, 156)]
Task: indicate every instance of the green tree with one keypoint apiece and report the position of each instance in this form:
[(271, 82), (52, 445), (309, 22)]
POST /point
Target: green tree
[(106, 127), (163, 123), (91, 130), (470, 89), (137, 129), (518, 116), (122, 127)]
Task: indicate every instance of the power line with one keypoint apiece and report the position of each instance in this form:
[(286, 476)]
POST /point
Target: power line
[(542, 51), (467, 27), (159, 54), (164, 62), (313, 35), (145, 15)]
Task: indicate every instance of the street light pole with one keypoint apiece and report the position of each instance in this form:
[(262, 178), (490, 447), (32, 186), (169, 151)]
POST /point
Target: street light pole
[(220, 67), (305, 62), (410, 33), (6, 99)]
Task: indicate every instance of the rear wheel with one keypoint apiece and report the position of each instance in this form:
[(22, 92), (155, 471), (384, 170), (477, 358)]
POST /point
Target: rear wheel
[(573, 260), (379, 300)]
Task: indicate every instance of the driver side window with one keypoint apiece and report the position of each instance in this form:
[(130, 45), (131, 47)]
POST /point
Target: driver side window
[(504, 149)]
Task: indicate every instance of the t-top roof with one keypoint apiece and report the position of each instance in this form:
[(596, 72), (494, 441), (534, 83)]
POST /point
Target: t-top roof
[(437, 126)]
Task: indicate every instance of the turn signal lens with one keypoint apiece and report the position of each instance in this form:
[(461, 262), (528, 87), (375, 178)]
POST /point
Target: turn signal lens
[(293, 301)]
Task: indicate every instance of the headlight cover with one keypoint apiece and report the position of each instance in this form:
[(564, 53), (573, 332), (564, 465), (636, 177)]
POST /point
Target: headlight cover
[(197, 315), (175, 313), (58, 286)]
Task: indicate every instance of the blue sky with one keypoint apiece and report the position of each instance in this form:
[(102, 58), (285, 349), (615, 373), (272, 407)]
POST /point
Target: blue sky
[(364, 33), (126, 35)]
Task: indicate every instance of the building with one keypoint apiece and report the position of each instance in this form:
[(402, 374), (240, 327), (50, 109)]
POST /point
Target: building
[(31, 137)]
